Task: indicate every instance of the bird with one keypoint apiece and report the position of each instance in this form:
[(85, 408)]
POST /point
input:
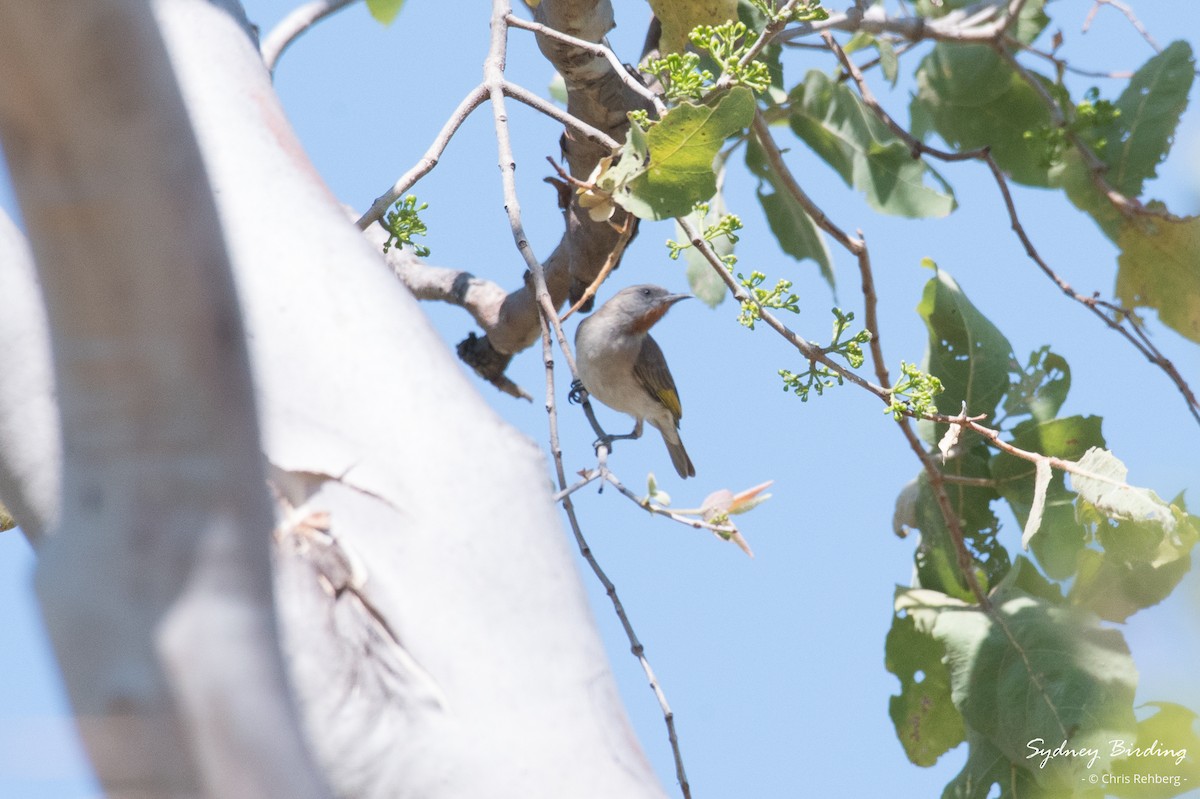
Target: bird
[(621, 365)]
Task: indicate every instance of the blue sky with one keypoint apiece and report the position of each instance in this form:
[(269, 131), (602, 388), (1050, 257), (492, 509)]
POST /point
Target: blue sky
[(774, 666)]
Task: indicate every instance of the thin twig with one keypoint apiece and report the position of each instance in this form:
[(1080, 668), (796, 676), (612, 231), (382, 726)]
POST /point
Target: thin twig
[(473, 100), (589, 132), (294, 24), (937, 482), (858, 247), (810, 351), (495, 82), (591, 475), (595, 49), (1129, 15), (915, 145), (874, 62), (1063, 66), (625, 234), (675, 516), (1116, 322), (992, 436), (762, 133)]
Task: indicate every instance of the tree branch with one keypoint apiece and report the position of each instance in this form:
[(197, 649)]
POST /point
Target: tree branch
[(595, 48), (30, 449), (375, 213), (1136, 337), (294, 24)]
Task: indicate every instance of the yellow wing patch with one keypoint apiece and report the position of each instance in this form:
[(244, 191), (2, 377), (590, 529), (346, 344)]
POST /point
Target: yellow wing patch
[(651, 371)]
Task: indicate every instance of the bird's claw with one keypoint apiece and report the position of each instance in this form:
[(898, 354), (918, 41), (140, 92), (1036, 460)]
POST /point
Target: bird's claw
[(577, 392)]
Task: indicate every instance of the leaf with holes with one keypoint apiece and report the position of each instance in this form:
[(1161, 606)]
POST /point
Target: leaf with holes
[(927, 723), (868, 156), (966, 352), (1135, 141), (1159, 267)]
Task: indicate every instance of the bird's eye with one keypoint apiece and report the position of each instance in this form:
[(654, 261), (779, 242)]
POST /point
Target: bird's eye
[(645, 292)]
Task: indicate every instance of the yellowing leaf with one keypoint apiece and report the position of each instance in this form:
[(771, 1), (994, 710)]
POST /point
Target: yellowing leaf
[(1159, 267), (678, 17)]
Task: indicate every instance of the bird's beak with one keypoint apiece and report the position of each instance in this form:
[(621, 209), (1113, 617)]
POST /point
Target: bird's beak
[(671, 299)]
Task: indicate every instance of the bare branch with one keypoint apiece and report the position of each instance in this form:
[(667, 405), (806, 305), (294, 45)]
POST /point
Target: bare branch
[(810, 351), (594, 48), (423, 167), (610, 263), (1119, 316), (549, 109), (1129, 15), (294, 24), (494, 80)]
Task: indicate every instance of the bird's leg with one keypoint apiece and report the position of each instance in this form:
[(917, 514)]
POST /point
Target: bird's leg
[(634, 434)]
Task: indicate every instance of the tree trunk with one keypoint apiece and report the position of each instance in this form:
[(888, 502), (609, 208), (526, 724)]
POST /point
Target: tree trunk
[(436, 631)]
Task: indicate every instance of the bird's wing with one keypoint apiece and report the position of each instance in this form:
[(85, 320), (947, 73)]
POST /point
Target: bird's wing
[(651, 371)]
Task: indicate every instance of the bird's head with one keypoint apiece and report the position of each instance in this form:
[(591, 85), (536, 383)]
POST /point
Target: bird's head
[(642, 306)]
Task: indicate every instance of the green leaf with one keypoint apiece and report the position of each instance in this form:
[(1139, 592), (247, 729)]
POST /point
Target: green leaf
[(1025, 578), (987, 768), (936, 557), (927, 723), (1030, 673), (1040, 388), (833, 121), (1132, 145), (1157, 268), (558, 89), (1141, 562), (971, 98), (1072, 175), (385, 11), (1139, 138), (889, 62), (672, 170), (966, 351), (1114, 589), (1061, 536), (703, 280), (1166, 735), (1103, 484), (795, 230)]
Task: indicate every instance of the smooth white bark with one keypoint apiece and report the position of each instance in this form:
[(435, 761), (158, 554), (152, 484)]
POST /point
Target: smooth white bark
[(464, 661), (29, 454), (438, 636), (155, 583)]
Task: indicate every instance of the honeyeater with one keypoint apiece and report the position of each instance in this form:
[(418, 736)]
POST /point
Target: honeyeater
[(621, 365)]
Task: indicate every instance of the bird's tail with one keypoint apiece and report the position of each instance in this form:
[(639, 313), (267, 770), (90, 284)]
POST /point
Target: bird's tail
[(679, 456)]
